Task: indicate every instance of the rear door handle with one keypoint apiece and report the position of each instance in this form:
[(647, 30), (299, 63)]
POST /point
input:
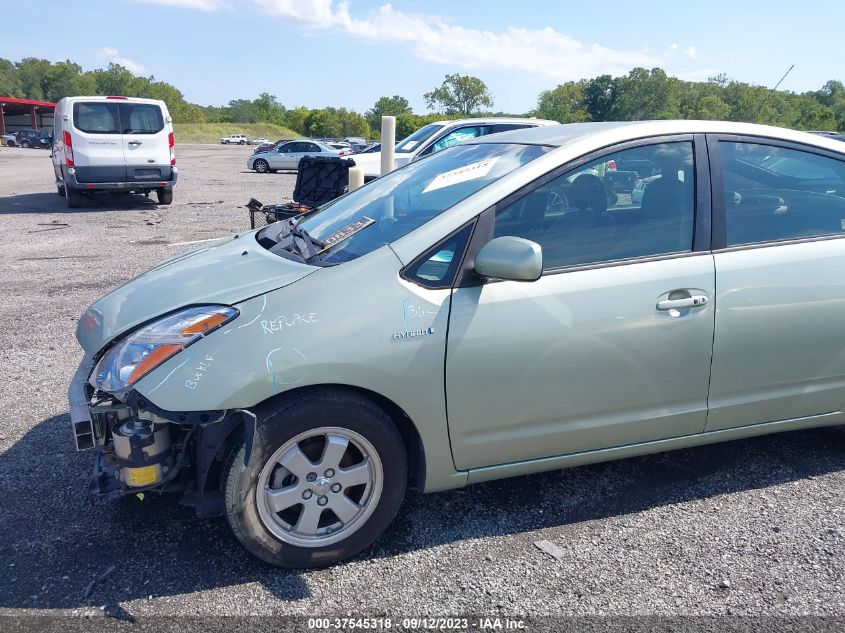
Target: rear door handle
[(695, 301)]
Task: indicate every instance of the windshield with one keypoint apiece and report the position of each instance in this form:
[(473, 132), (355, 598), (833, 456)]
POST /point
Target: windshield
[(394, 205), (417, 138)]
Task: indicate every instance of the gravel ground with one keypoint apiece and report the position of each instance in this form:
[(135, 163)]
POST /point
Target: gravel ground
[(752, 527)]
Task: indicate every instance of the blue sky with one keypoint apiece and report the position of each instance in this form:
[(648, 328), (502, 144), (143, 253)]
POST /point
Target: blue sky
[(323, 52)]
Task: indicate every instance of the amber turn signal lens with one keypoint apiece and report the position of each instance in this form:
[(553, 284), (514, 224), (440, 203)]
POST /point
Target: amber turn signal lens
[(208, 323), (152, 360)]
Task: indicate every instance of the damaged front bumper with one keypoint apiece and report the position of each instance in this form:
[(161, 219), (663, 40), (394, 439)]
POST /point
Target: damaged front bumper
[(138, 446)]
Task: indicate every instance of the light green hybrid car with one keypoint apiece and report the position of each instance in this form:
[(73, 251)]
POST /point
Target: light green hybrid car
[(522, 302)]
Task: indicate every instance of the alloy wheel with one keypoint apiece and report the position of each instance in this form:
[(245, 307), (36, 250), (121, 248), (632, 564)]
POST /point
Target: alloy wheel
[(319, 487)]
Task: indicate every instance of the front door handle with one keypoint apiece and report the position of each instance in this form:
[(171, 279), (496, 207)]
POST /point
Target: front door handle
[(134, 142), (695, 301)]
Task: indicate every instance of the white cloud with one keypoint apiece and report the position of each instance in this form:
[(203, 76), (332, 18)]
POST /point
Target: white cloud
[(202, 5), (538, 51), (108, 54), (691, 52), (543, 52)]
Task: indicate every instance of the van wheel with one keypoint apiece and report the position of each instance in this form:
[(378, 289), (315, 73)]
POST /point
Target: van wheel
[(165, 196), (261, 166), (326, 476), (73, 198)]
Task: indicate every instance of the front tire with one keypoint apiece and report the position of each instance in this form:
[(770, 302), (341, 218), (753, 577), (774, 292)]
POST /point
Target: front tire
[(165, 196), (261, 166), (326, 477), (242, 143)]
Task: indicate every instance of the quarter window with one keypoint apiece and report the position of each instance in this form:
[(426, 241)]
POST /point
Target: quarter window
[(636, 202), (774, 193), (437, 267)]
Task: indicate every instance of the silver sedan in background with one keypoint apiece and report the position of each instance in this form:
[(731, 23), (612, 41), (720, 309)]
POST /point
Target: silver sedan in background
[(287, 155)]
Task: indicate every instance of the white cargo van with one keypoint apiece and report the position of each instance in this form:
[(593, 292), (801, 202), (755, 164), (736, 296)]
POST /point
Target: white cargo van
[(118, 144)]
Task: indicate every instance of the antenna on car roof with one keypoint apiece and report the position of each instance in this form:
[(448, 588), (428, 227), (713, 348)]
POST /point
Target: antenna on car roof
[(769, 94)]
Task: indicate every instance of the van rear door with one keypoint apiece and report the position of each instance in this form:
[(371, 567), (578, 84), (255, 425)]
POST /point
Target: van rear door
[(97, 142), (146, 144)]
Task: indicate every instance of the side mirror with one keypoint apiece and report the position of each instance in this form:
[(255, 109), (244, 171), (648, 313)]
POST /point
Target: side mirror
[(511, 258)]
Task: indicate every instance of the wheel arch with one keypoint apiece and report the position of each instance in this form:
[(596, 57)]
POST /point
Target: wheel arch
[(209, 462), (404, 424)]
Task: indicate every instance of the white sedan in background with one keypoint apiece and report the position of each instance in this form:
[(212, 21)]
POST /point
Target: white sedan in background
[(288, 155)]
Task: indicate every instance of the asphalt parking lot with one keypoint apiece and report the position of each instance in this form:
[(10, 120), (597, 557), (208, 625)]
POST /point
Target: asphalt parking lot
[(752, 527)]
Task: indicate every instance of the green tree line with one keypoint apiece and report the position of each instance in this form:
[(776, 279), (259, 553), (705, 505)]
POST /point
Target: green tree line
[(641, 94), (652, 94)]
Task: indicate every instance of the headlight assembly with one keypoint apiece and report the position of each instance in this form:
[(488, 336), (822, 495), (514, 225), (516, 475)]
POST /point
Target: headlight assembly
[(137, 354)]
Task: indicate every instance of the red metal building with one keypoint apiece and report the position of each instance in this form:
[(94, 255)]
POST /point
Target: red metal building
[(22, 114)]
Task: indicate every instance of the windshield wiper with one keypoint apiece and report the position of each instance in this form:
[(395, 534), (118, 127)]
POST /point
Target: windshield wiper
[(308, 246), (297, 241)]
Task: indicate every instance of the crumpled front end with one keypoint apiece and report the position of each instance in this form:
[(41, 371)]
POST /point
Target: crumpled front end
[(139, 447)]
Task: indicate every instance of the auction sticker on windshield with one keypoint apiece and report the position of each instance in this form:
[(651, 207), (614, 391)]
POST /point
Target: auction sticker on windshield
[(462, 174), (346, 232)]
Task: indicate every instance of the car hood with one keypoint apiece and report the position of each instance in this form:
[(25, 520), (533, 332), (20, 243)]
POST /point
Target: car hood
[(226, 272)]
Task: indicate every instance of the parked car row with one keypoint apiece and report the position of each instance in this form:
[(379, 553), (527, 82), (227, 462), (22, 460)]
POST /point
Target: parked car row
[(243, 139), (287, 154), (426, 141), (42, 139)]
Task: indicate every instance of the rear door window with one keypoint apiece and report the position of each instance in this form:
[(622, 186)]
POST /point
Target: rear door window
[(102, 117), (141, 118), (775, 193), (96, 117)]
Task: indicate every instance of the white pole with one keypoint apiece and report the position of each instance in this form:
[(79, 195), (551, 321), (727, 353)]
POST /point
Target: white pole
[(356, 177), (388, 142)]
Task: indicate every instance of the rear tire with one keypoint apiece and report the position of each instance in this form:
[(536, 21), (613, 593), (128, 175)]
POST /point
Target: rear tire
[(25, 144), (165, 196), (73, 197), (344, 438), (242, 142), (60, 189)]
